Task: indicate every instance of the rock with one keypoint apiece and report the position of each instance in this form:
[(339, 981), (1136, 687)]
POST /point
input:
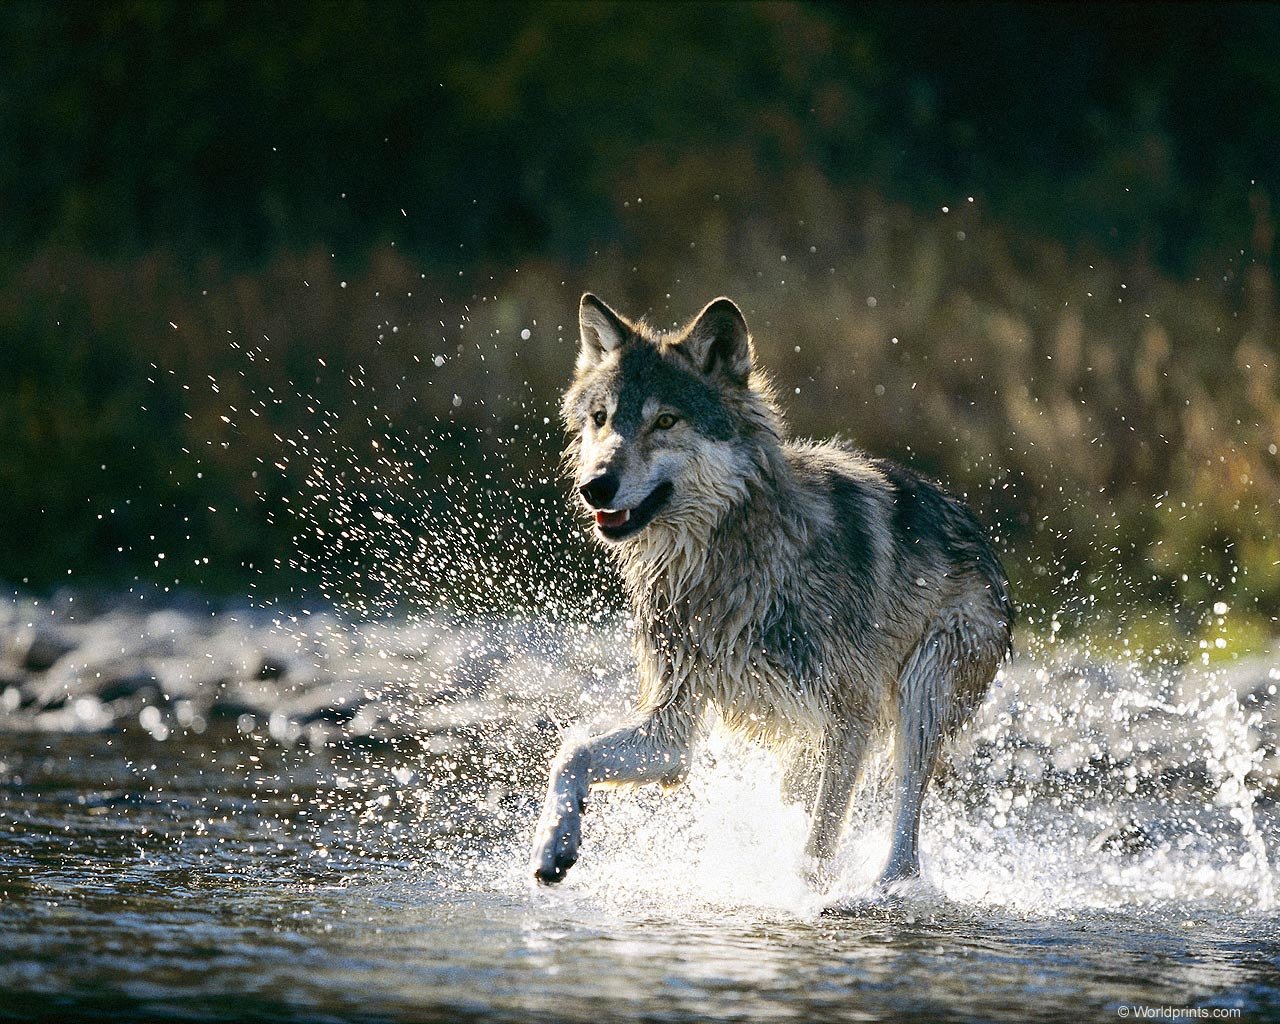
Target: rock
[(234, 707), (54, 689), (245, 697), (272, 668), (336, 713), (81, 715), (39, 649), (127, 681)]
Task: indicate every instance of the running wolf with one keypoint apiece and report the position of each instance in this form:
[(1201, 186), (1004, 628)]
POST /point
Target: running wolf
[(803, 590)]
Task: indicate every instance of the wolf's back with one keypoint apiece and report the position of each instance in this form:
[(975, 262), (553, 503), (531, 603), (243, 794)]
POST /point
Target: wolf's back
[(929, 523)]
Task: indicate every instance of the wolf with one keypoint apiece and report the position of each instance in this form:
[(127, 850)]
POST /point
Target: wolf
[(814, 597)]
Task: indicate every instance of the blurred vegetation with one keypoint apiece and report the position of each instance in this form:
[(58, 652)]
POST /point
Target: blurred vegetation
[(1029, 249)]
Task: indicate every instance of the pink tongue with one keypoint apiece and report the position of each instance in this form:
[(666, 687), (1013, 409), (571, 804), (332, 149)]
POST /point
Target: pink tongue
[(611, 518)]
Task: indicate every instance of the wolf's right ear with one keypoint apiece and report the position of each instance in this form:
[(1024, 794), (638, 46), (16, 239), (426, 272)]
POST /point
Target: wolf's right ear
[(600, 331), (719, 343)]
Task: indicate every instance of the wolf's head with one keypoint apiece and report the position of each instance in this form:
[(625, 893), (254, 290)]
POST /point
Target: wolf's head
[(667, 430)]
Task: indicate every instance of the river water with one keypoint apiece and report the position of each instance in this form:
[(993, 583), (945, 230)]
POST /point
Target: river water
[(247, 814)]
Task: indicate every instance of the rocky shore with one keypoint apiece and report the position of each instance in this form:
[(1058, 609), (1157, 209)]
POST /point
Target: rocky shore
[(308, 676), (295, 677)]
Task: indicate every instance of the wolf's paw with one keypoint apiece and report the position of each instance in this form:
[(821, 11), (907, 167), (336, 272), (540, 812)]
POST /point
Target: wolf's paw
[(901, 873), (904, 878), (878, 900), (550, 866), (889, 894), (818, 873), (555, 850)]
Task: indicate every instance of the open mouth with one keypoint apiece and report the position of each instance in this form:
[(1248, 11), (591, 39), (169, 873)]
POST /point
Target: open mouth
[(615, 525)]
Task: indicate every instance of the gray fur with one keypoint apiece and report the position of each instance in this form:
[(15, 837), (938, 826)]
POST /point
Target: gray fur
[(802, 590)]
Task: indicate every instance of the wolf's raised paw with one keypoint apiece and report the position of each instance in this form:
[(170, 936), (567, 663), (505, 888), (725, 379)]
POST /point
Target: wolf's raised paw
[(553, 873), (556, 849)]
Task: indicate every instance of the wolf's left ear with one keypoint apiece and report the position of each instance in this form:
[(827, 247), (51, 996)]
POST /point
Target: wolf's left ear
[(718, 342), (600, 331)]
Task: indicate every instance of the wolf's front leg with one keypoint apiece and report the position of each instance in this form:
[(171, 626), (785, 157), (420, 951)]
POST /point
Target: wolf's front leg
[(655, 749), (842, 755)]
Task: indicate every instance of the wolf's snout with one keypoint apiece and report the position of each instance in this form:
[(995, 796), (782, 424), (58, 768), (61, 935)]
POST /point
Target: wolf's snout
[(600, 491)]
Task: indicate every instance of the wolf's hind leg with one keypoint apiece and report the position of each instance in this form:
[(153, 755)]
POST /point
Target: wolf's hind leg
[(656, 749), (942, 681), (842, 755), (924, 695), (915, 759)]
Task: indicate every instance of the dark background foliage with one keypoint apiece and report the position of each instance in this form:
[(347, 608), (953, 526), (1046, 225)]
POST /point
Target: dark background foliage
[(1028, 248)]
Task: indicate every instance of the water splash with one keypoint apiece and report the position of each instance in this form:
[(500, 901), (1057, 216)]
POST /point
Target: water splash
[(1154, 816)]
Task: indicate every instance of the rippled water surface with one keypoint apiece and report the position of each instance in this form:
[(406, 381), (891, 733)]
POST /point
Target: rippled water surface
[(241, 816)]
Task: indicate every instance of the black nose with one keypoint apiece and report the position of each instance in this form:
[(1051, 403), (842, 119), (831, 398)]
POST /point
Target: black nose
[(600, 491)]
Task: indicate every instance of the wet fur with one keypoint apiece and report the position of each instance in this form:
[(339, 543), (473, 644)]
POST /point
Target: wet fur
[(804, 591)]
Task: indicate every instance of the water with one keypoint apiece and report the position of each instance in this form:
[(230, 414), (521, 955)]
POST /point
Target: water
[(260, 815)]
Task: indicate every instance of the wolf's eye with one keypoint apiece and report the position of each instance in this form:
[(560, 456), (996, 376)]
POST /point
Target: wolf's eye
[(598, 417), (665, 422)]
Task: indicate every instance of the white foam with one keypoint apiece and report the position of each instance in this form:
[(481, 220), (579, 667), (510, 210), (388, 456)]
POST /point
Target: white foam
[(727, 841)]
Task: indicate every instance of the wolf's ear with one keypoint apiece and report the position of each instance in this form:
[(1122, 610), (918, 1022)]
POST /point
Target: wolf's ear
[(718, 342), (600, 331)]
